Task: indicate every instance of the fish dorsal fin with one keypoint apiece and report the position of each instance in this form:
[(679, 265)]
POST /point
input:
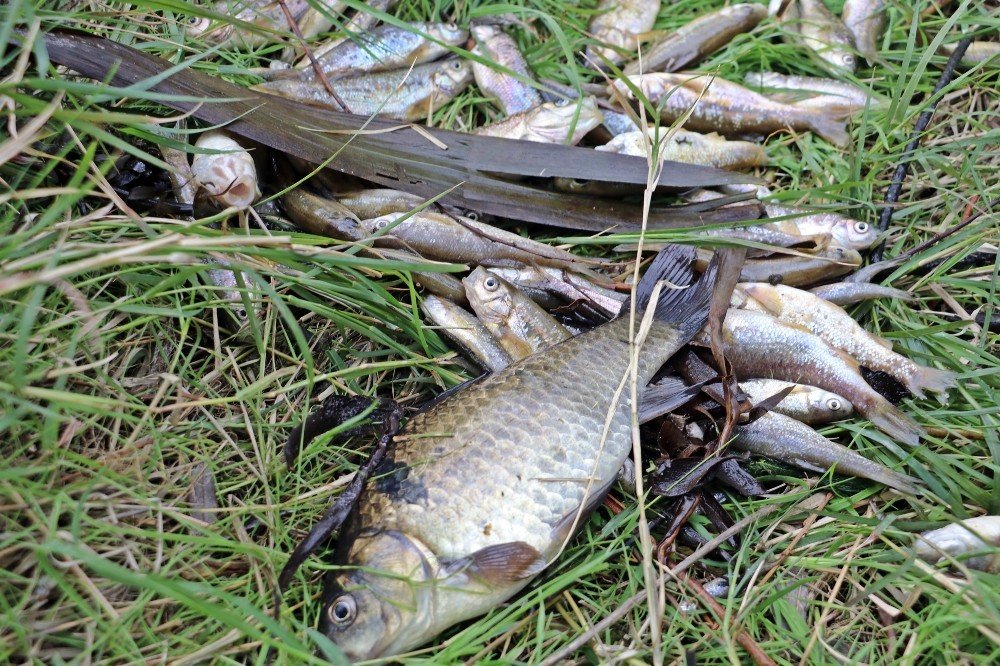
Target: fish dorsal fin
[(503, 563)]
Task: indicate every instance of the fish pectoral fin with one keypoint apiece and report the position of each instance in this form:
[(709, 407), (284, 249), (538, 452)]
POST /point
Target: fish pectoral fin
[(504, 563), (765, 296)]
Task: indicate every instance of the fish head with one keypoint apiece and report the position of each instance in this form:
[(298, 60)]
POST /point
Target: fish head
[(378, 224), (490, 295), (854, 234), (830, 405), (382, 602), (552, 120), (842, 60), (202, 27), (448, 33), (483, 34), (452, 77)]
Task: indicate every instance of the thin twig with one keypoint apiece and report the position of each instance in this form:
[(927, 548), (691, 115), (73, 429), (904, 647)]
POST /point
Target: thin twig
[(903, 168), (294, 25)]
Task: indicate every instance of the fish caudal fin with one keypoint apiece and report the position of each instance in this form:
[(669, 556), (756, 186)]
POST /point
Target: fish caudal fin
[(681, 302), (892, 421), (930, 379), (901, 482), (831, 128)]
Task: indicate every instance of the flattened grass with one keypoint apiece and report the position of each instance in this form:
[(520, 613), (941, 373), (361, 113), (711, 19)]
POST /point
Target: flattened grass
[(120, 385)]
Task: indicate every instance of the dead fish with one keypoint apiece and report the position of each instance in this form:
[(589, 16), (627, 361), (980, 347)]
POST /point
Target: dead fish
[(265, 14), (551, 122), (831, 261), (511, 94), (440, 237), (758, 345), (378, 201), (680, 145), (323, 217), (978, 536), (617, 24), (553, 287), (820, 91), (837, 328), (726, 107), (404, 94), (865, 19), (425, 549), (807, 404), (701, 37), (361, 22), (848, 293), (235, 291), (522, 326), (822, 33), (976, 54), (227, 173), (618, 123), (385, 48), (846, 231), (783, 438), (467, 332)]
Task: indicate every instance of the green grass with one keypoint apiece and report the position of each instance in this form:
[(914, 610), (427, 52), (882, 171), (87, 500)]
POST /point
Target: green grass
[(119, 385)]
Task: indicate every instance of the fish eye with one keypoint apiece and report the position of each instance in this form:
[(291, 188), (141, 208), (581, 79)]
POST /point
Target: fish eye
[(194, 20), (861, 227), (457, 65), (833, 404), (241, 313), (451, 26), (491, 283), (382, 224), (343, 610), (472, 215), (849, 59), (563, 102)]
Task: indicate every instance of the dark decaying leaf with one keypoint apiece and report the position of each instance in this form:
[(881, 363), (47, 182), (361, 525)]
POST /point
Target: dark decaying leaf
[(768, 403), (719, 517), (673, 478), (477, 172), (731, 473)]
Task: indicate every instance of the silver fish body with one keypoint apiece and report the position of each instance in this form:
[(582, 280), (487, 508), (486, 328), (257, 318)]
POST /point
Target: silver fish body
[(424, 549), (848, 293), (552, 122), (807, 404), (266, 14), (404, 94), (695, 40), (830, 323), (961, 539), (679, 145), (865, 19), (513, 95), (522, 326), (828, 91), (553, 287), (978, 52), (823, 33), (795, 270), (846, 231), (618, 25), (467, 332), (783, 438), (717, 105), (759, 345)]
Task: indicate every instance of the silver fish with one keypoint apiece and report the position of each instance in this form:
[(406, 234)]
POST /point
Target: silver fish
[(978, 536), (823, 33), (865, 19), (467, 332), (618, 25), (807, 404), (513, 95), (551, 122), (848, 293), (680, 145), (553, 287)]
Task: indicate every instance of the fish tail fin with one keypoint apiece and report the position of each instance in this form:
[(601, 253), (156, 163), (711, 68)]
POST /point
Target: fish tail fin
[(892, 421), (901, 482), (931, 379), (831, 127), (683, 302)]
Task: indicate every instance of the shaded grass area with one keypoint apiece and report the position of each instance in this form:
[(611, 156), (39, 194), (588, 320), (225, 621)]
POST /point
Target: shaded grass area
[(121, 388)]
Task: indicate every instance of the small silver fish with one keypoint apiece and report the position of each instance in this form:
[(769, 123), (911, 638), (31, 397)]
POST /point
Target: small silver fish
[(551, 122), (680, 145), (265, 14), (979, 537), (828, 262), (618, 25), (783, 438), (848, 293), (467, 332), (553, 287), (789, 89), (511, 94), (977, 53), (823, 33), (807, 404), (865, 19)]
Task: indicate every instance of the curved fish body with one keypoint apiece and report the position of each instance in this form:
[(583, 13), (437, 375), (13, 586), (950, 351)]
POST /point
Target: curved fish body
[(467, 332), (553, 287), (522, 326), (807, 404), (425, 549), (783, 438), (679, 145), (865, 19), (387, 47), (618, 25), (321, 216), (795, 270), (758, 345), (512, 95), (379, 201), (438, 236), (552, 122), (265, 14), (836, 327), (976, 54), (403, 94), (701, 37), (848, 293), (726, 107), (821, 91), (846, 231), (961, 539), (822, 33)]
